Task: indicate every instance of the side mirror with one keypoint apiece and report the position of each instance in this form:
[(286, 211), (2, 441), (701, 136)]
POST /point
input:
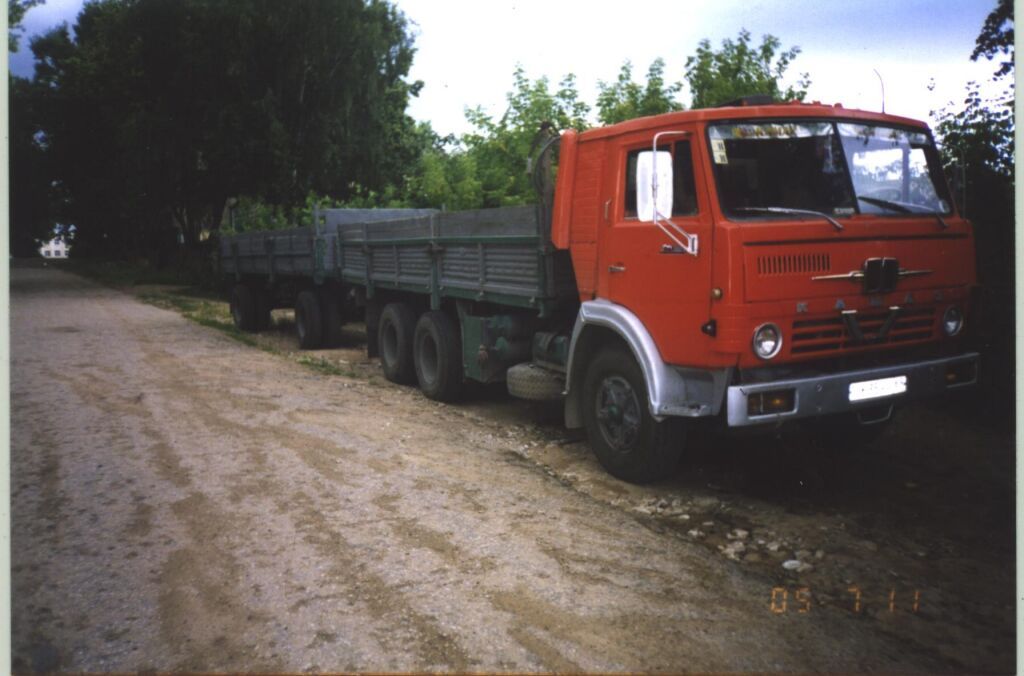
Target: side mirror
[(653, 185)]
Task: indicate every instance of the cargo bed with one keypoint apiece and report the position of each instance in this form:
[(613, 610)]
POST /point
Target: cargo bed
[(493, 255)]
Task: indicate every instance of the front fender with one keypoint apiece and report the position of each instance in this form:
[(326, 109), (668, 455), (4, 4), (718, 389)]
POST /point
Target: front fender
[(671, 390)]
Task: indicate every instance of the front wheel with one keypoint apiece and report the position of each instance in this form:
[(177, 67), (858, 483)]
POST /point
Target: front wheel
[(628, 442)]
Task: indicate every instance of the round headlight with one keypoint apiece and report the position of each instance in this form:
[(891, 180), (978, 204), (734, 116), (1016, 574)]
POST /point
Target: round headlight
[(952, 320), (767, 341)]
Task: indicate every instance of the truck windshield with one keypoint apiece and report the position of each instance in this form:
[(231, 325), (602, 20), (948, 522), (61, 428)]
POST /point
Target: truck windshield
[(830, 169)]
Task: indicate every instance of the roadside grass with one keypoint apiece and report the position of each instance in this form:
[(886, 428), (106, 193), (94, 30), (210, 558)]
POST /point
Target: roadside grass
[(211, 314), (173, 289), (121, 274), (326, 366)]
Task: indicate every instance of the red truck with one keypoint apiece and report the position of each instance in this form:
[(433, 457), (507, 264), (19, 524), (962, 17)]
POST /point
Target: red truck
[(753, 263)]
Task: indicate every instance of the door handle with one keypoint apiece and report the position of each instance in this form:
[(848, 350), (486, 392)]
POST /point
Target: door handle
[(616, 268)]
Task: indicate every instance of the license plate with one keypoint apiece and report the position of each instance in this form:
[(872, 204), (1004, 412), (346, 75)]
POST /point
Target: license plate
[(873, 389)]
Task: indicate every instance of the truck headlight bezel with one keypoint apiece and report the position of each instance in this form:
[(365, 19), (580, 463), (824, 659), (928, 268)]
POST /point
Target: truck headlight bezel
[(952, 321), (763, 344)]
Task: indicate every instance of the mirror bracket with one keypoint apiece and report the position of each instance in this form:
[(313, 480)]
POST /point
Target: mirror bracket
[(683, 242)]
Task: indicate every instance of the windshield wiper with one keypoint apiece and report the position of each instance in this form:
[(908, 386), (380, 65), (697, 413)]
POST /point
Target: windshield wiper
[(791, 212), (887, 204), (901, 208)]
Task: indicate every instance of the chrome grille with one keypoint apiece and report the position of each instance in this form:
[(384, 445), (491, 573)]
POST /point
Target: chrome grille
[(829, 334)]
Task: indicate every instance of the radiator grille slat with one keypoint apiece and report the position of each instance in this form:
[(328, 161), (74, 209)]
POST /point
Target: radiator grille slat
[(819, 335), (793, 264)]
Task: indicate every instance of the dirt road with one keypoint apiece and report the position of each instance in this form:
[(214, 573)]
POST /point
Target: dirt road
[(183, 501)]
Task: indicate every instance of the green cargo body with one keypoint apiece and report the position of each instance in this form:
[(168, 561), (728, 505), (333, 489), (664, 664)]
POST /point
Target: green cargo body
[(500, 256)]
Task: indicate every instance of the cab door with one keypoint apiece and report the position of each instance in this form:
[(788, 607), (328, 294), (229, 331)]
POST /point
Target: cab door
[(668, 290)]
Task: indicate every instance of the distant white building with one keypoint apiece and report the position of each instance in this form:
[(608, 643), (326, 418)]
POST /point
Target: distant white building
[(55, 248)]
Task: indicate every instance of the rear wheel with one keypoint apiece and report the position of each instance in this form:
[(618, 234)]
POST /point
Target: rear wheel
[(308, 325), (243, 308), (437, 349), (628, 442), (394, 343)]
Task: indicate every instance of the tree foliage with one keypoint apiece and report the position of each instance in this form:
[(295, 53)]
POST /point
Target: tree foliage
[(626, 99), (498, 149), (16, 10), (981, 133), (158, 111), (32, 211), (979, 137), (977, 144), (996, 38), (741, 69)]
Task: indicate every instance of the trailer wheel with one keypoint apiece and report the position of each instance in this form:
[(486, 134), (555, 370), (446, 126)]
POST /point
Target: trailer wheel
[(243, 308), (394, 343), (438, 356), (307, 320), (330, 308), (628, 442)]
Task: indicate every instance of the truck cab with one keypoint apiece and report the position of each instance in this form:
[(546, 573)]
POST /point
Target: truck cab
[(759, 264)]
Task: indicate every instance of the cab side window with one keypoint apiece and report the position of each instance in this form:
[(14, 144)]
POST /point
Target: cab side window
[(684, 195)]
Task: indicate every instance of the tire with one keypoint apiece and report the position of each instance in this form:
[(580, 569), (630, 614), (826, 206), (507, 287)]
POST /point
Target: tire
[(628, 442), (529, 381), (437, 352), (395, 331), (243, 308), (308, 325), (330, 311)]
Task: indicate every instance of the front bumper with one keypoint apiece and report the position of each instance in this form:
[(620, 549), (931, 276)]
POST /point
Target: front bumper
[(824, 395)]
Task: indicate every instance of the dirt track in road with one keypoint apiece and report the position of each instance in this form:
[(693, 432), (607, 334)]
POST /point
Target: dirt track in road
[(183, 501)]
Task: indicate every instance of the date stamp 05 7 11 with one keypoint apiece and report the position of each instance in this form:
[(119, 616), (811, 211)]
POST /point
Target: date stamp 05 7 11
[(798, 600)]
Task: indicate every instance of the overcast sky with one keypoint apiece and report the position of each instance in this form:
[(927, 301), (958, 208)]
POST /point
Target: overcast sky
[(467, 49)]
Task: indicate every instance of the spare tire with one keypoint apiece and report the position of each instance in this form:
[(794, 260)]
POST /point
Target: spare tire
[(529, 381)]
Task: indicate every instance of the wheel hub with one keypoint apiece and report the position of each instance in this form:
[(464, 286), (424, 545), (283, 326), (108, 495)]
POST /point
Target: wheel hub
[(618, 413)]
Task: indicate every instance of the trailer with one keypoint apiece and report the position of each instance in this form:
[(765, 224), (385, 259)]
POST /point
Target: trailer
[(752, 265)]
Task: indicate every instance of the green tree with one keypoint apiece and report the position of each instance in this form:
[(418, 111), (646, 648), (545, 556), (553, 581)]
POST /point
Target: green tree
[(16, 10), (498, 148), (996, 38), (158, 111), (444, 175), (741, 69), (978, 139), (625, 99), (977, 144), (32, 216)]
